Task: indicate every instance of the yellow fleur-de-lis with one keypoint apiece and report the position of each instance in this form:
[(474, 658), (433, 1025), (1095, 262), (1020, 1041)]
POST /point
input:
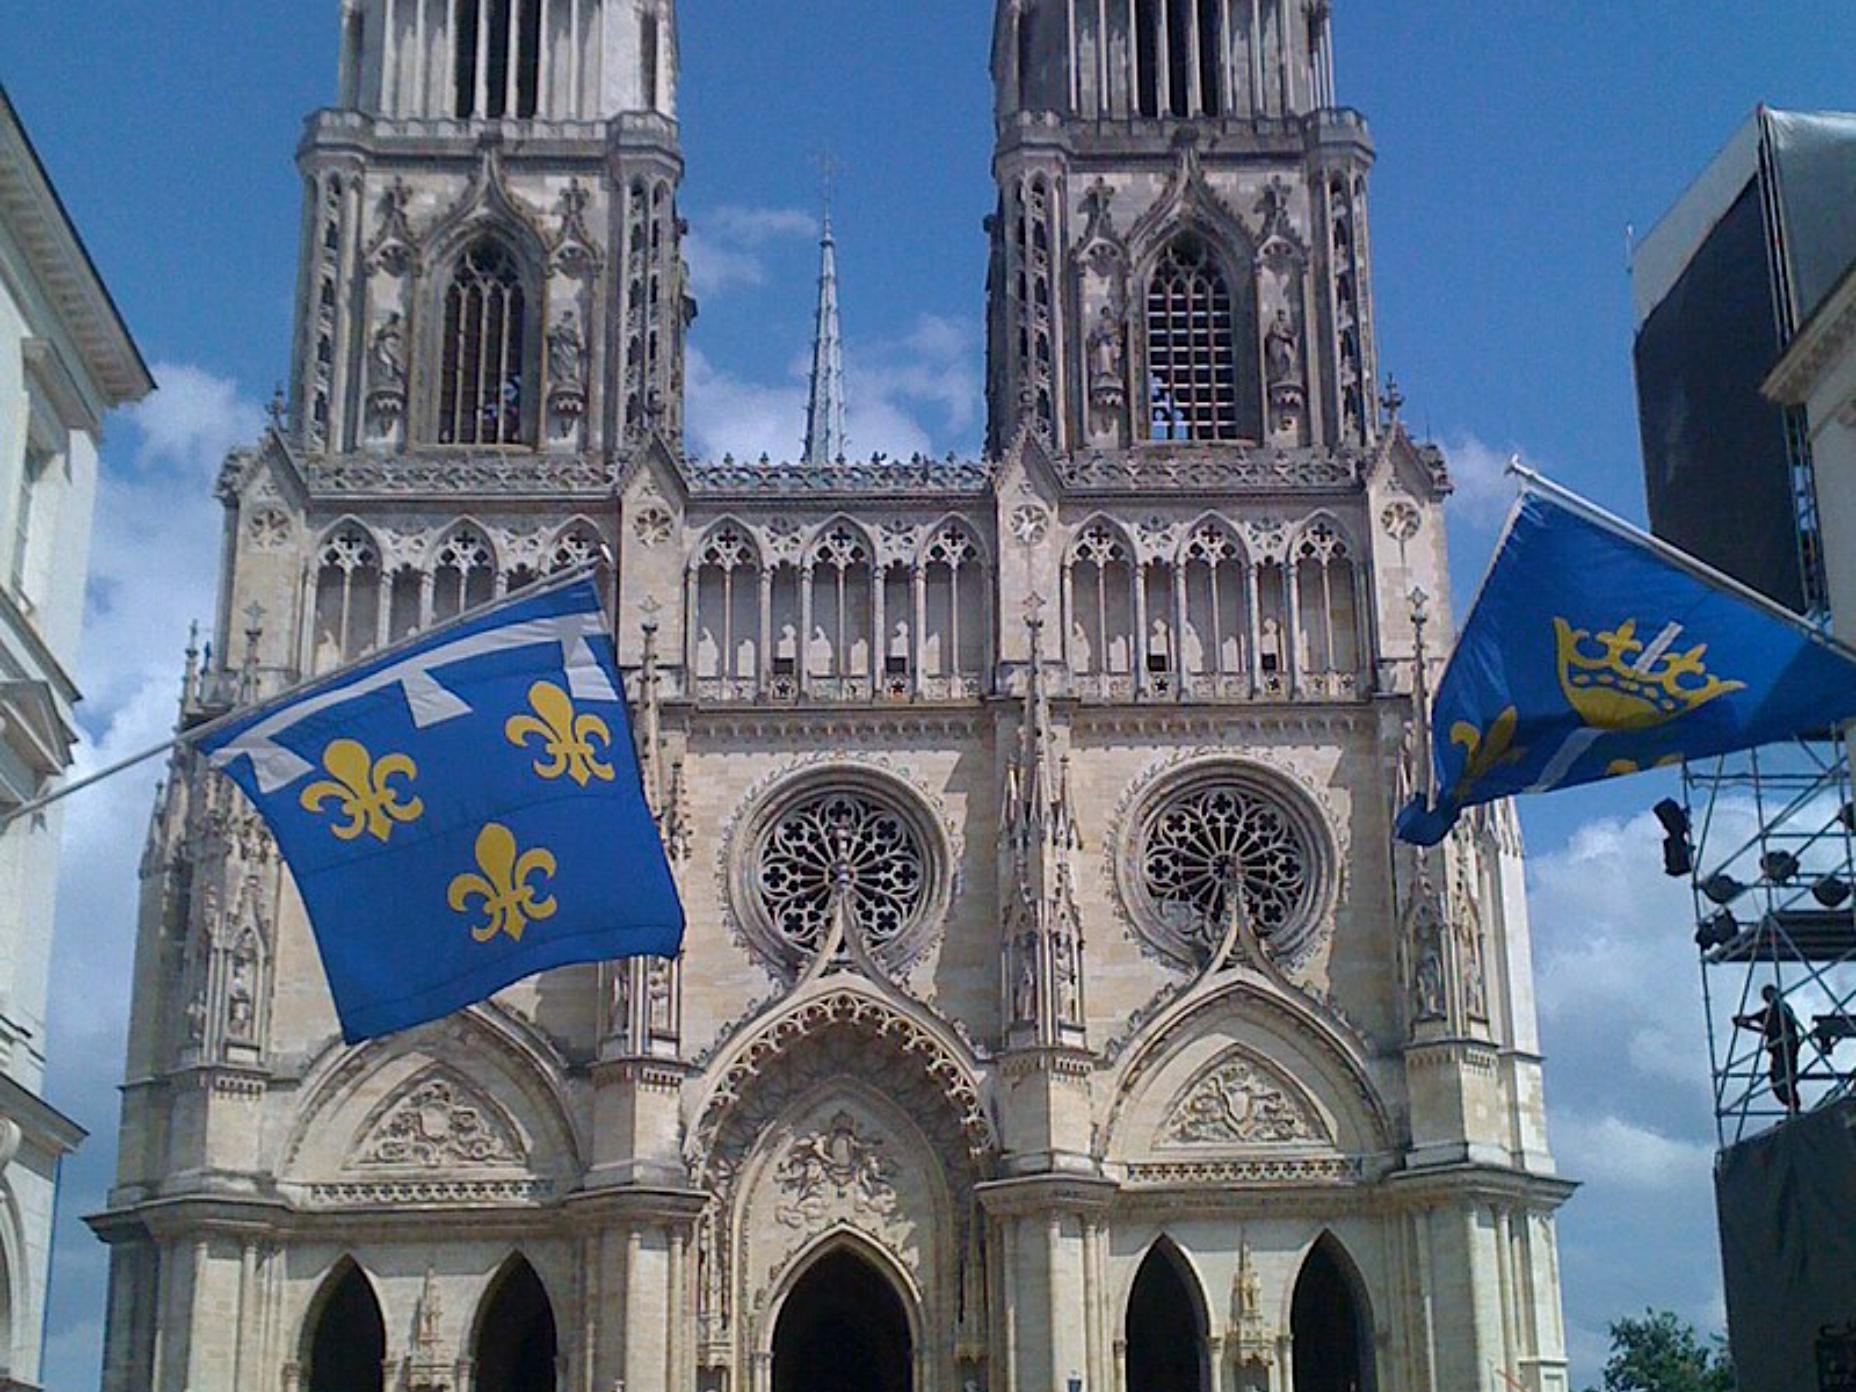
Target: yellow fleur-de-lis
[(364, 788), (567, 739), (1486, 754), (504, 885)]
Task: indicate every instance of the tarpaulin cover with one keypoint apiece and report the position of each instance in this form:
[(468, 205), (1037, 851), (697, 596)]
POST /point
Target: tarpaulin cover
[(1788, 1244)]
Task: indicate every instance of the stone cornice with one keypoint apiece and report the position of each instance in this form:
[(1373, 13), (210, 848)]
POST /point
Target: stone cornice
[(58, 261), (43, 1124), (1830, 334)]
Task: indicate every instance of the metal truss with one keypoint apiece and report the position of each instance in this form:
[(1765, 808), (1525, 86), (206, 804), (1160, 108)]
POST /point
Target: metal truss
[(1771, 841)]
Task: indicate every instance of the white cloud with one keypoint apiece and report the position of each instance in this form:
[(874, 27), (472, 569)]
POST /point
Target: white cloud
[(1480, 473), (154, 565), (919, 393), (1630, 1109), (726, 247), (1620, 1153)]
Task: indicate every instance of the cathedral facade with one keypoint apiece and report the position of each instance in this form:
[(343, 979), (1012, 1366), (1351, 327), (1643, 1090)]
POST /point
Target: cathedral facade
[(1057, 1010)]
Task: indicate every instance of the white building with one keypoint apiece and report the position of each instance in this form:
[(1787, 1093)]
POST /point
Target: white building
[(1057, 1010), (65, 360)]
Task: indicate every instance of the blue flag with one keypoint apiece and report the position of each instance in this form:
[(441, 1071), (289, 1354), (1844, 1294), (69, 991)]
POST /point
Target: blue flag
[(463, 812), (1595, 651)]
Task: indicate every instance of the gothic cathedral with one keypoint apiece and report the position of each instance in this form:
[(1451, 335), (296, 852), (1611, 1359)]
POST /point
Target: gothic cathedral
[(1058, 1013)]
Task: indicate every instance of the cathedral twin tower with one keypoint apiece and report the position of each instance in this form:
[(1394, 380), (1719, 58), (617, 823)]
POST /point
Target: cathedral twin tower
[(1057, 1013)]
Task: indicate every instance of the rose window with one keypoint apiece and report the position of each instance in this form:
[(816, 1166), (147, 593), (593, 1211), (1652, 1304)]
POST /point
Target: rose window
[(840, 841), (1214, 838)]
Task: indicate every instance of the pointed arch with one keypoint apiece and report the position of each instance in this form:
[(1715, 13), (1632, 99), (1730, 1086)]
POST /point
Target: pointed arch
[(1331, 1322), (838, 611), (1198, 329), (350, 609), (844, 1303), (1217, 605), (1167, 1323), (1327, 598), (1101, 571), (729, 610), (515, 1339), (343, 1345), (488, 323), (578, 543), (955, 595), (465, 568)]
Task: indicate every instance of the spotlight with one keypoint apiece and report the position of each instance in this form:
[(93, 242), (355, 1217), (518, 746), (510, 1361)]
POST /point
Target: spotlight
[(1678, 856), (1717, 931), (1831, 892), (1722, 888), (1778, 866)]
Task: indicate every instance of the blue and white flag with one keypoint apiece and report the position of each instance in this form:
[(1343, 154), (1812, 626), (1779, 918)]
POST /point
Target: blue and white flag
[(1596, 651), (463, 812)]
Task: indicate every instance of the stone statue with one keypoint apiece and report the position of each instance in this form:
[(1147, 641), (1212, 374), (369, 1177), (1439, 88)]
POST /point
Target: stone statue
[(1107, 385), (1282, 351), (387, 355), (566, 352)]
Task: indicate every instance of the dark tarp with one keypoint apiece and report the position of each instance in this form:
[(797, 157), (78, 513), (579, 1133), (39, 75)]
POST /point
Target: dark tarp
[(1788, 1245)]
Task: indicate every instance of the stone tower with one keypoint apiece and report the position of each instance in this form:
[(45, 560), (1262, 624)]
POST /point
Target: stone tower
[(1180, 250), (1057, 1013)]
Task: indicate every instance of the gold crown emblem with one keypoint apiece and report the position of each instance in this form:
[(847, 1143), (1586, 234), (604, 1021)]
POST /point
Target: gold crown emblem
[(1630, 686)]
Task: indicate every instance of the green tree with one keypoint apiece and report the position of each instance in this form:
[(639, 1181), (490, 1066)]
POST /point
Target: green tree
[(1659, 1353)]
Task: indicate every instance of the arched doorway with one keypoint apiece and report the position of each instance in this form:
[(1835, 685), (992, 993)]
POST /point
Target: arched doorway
[(348, 1342), (1166, 1340), (516, 1343), (1330, 1325), (843, 1328)]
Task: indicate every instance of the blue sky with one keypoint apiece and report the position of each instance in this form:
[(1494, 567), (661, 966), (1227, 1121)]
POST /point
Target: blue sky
[(1518, 143)]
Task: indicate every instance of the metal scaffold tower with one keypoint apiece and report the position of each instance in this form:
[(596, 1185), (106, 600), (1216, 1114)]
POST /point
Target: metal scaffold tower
[(1768, 841)]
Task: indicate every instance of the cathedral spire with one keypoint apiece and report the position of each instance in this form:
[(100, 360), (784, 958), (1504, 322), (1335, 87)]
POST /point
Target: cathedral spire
[(825, 441)]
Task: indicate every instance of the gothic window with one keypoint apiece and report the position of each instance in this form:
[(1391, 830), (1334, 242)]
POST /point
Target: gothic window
[(728, 599), (406, 603), (498, 58), (1179, 58), (577, 547), (849, 839), (838, 628), (1216, 639), (1099, 585), (484, 369), (1199, 841), (1034, 235), (650, 240), (1192, 349), (465, 575), (348, 598), (1327, 603), (954, 590)]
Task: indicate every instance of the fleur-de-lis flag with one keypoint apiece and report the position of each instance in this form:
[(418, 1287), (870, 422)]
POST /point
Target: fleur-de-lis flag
[(1595, 651), (462, 812)]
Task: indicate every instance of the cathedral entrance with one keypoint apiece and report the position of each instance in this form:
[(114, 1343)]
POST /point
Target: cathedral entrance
[(516, 1347), (348, 1351), (843, 1329), (1332, 1334), (1165, 1344)]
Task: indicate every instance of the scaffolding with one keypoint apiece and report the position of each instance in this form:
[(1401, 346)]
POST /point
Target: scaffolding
[(1767, 838)]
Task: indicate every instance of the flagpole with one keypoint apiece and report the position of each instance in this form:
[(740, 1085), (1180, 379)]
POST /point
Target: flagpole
[(1676, 556), (201, 731)]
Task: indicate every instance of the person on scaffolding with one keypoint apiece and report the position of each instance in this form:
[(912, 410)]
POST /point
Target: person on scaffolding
[(1784, 1044)]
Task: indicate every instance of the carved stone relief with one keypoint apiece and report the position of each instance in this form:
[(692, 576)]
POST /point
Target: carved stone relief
[(1240, 1100), (836, 1170), (442, 1122)]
